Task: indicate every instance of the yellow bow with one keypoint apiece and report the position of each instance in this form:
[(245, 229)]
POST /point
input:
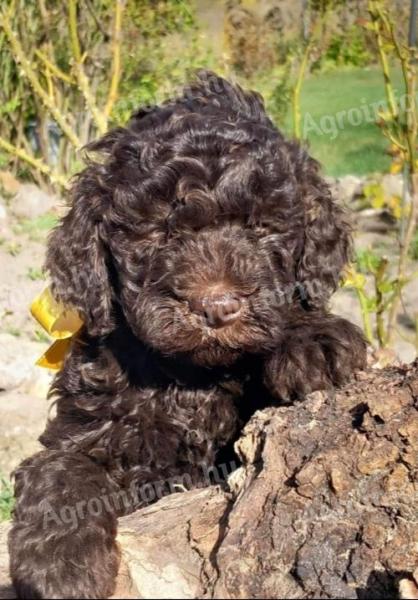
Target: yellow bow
[(60, 323)]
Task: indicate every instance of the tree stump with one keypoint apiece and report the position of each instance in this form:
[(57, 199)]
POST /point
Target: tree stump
[(323, 506)]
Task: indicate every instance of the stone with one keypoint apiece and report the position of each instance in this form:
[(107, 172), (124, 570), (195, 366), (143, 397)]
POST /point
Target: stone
[(392, 185), (31, 202), (6, 589), (4, 221), (347, 188), (17, 364), (3, 212), (23, 419)]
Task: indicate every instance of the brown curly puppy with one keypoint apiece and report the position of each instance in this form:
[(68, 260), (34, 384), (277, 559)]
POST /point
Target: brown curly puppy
[(201, 249)]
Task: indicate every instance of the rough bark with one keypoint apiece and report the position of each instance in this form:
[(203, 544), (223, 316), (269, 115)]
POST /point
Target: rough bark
[(324, 506)]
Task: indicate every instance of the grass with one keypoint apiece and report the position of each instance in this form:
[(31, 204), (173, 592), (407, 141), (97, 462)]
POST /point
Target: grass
[(35, 274), (14, 248), (39, 336), (6, 499), (37, 228), (414, 246), (13, 331), (344, 147)]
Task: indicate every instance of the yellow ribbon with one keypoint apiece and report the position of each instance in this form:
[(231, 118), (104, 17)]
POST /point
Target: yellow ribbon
[(60, 323)]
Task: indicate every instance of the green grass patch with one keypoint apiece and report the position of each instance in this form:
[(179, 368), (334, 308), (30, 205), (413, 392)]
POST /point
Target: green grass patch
[(338, 110), (6, 499), (414, 246), (14, 248), (36, 229), (13, 331), (35, 274), (40, 336)]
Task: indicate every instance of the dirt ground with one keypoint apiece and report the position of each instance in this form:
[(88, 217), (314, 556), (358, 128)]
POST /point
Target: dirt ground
[(23, 404)]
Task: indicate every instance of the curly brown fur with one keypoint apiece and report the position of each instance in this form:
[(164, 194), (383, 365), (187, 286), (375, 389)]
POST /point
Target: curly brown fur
[(199, 210)]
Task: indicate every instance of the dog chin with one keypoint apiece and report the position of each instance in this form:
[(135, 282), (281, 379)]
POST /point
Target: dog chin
[(213, 356)]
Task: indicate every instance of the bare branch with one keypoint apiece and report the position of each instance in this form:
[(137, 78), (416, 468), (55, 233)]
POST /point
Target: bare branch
[(116, 61), (34, 162), (54, 69), (99, 117), (99, 26), (28, 71)]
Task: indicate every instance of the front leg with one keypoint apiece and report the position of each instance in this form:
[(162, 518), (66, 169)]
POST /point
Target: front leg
[(63, 540), (317, 352)]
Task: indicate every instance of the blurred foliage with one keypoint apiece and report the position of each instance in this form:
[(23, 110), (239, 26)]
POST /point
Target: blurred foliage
[(252, 39), (36, 39), (348, 48), (163, 47), (375, 290), (68, 74), (398, 122), (414, 246), (276, 49), (374, 196), (6, 499)]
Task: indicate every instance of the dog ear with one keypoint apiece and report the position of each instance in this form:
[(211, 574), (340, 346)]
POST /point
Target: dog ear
[(76, 256), (327, 242)]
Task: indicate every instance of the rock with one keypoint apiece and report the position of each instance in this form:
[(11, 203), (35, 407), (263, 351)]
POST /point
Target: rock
[(17, 365), (392, 185), (4, 224), (405, 351), (347, 188), (6, 590), (375, 220), (23, 419), (31, 202), (3, 212)]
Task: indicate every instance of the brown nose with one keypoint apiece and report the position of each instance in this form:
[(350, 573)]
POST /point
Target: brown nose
[(217, 309)]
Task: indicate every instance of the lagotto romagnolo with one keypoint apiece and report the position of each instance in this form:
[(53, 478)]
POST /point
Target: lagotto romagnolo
[(201, 249)]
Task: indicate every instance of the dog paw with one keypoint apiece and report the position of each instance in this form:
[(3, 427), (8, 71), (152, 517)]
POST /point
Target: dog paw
[(315, 359)]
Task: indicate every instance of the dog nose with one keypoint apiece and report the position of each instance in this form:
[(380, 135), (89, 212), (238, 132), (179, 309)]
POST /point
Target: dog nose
[(217, 309)]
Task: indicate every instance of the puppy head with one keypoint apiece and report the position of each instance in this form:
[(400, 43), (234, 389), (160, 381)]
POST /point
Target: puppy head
[(203, 225)]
